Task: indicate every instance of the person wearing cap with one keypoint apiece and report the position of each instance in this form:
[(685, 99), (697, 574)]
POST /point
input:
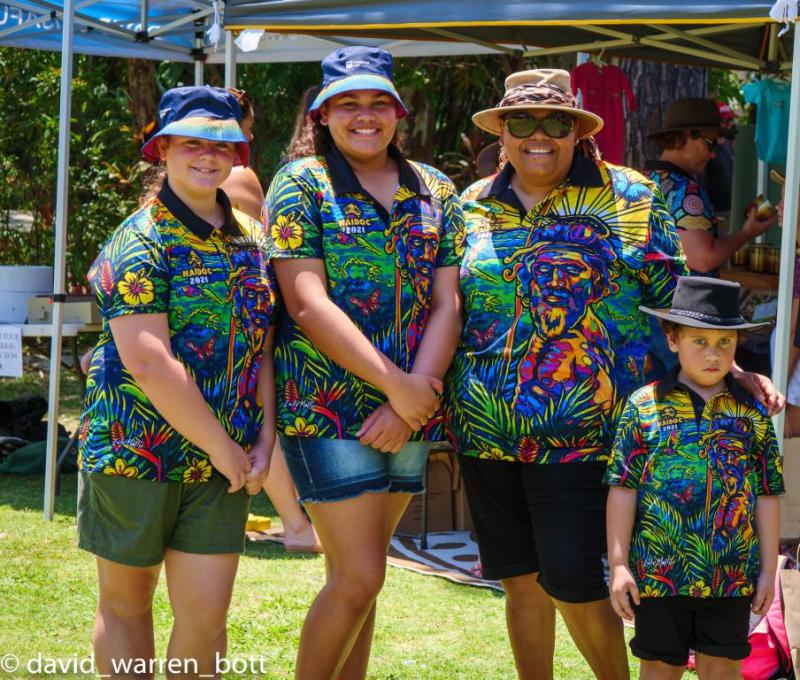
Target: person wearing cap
[(560, 250), (686, 143), (365, 246), (178, 418), (693, 512)]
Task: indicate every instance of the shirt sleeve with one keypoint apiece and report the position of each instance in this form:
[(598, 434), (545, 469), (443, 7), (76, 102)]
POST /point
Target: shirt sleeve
[(694, 213), (453, 234), (131, 274), (752, 92), (664, 260), (629, 452), (292, 219), (768, 465)]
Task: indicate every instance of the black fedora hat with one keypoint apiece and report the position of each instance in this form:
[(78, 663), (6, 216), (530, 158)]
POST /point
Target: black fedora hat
[(689, 114), (703, 302)]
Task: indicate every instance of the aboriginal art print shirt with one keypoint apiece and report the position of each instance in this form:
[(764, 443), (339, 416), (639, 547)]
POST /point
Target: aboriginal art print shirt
[(380, 267), (687, 202), (554, 341), (219, 294), (697, 468)]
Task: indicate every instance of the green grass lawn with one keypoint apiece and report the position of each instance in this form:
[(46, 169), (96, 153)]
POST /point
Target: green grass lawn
[(427, 627)]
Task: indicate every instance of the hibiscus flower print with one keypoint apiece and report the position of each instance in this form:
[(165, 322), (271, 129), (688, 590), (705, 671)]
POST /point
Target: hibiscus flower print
[(286, 233), (136, 289), (197, 471), (121, 469), (301, 428)]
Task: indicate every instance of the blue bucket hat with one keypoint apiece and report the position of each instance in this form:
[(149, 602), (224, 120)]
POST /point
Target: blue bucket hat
[(202, 112), (357, 68)]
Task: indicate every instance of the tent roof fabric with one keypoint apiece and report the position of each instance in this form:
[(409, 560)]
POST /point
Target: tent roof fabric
[(727, 33)]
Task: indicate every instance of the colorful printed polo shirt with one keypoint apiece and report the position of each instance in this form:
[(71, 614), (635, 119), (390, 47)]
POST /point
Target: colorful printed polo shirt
[(380, 269), (697, 468), (687, 202), (553, 341), (217, 288)]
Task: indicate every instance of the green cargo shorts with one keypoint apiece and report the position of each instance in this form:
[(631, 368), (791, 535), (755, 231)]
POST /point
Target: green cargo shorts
[(133, 521)]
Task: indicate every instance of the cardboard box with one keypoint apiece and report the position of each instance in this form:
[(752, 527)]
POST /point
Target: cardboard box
[(447, 509), (17, 286), (80, 309), (790, 501)]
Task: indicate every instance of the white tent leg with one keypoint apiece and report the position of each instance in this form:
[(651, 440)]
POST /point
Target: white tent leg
[(65, 112), (198, 73), (230, 60), (782, 332)]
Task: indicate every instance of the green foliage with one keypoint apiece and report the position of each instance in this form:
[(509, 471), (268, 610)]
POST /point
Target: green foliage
[(726, 85), (103, 161)]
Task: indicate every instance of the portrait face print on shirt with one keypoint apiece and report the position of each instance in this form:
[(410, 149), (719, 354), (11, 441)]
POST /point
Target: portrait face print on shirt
[(560, 277), (421, 246)]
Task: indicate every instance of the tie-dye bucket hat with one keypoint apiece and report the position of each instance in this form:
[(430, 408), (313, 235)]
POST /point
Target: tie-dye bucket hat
[(203, 112)]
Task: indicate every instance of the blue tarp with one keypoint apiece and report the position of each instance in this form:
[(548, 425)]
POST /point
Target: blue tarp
[(626, 28)]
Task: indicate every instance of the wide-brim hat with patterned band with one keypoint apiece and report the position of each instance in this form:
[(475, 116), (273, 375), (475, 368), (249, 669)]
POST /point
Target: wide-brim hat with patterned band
[(202, 112), (703, 302), (689, 114), (541, 89), (357, 68)]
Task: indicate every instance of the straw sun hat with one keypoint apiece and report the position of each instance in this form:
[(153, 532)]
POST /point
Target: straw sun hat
[(541, 89)]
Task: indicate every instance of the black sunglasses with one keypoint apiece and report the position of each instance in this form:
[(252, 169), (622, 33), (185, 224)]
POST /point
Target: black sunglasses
[(711, 143), (557, 125)]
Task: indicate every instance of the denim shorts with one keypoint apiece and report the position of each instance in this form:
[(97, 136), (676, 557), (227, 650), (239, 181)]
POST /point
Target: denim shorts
[(326, 470)]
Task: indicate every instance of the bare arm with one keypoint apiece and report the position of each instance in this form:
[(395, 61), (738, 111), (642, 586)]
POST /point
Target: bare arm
[(768, 527), (144, 347), (705, 253), (303, 283), (244, 191), (620, 518), (384, 429)]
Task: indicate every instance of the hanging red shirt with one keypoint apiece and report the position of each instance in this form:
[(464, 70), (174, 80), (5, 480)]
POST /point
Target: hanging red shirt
[(602, 89)]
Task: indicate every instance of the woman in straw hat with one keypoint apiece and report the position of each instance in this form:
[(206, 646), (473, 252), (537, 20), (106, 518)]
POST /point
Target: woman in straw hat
[(561, 249), (365, 248)]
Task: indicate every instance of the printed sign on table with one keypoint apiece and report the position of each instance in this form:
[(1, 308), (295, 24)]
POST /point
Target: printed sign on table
[(10, 351)]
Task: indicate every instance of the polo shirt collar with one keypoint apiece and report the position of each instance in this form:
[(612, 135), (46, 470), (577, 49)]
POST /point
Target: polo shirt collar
[(344, 180), (669, 383), (197, 225), (582, 173), (666, 166)]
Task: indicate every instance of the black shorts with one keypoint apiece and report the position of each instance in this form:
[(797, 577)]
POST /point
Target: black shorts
[(545, 519), (667, 627)]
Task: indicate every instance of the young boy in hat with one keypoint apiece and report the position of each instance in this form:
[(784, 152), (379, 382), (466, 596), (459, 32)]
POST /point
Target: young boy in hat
[(692, 511)]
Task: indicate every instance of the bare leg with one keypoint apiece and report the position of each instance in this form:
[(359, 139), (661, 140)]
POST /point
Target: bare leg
[(353, 537), (531, 620), (123, 626), (597, 632), (658, 670), (200, 588), (717, 668), (355, 668), (298, 532)]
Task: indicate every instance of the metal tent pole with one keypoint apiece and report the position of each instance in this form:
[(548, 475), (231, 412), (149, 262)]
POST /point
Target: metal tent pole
[(59, 260), (790, 201), (230, 60)]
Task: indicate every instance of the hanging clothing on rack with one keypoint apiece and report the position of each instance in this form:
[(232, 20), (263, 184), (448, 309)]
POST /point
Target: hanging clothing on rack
[(603, 88), (771, 98)]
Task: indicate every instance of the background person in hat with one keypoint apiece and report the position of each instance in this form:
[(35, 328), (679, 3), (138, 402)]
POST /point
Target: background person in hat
[(172, 429), (693, 510), (560, 250), (365, 248), (686, 144)]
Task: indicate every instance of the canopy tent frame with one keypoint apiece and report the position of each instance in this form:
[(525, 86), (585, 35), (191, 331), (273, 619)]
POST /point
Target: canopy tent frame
[(158, 29)]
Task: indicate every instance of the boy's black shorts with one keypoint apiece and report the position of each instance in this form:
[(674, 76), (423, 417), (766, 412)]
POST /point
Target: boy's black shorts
[(667, 627), (548, 520)]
